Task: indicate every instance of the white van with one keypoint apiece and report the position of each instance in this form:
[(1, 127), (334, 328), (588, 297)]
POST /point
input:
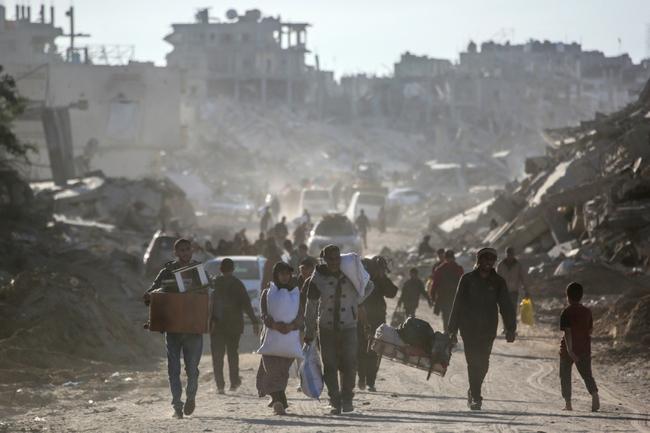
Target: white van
[(318, 202), (369, 202)]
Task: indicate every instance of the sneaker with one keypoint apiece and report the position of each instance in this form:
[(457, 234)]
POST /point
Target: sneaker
[(278, 408), (595, 402), (221, 391), (347, 406), (476, 405), (372, 388), (190, 405), (361, 384), (178, 413)]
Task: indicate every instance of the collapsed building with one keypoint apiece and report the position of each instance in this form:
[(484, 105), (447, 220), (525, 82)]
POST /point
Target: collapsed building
[(87, 108), (587, 198)]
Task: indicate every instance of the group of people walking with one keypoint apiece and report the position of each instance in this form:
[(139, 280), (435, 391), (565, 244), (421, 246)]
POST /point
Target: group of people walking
[(320, 303)]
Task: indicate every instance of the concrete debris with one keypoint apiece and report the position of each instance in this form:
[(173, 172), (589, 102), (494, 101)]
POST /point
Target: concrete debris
[(140, 205), (591, 189)]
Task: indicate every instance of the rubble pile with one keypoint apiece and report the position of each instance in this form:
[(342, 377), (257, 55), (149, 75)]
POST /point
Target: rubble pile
[(142, 205), (628, 319), (69, 296), (53, 320), (586, 200)]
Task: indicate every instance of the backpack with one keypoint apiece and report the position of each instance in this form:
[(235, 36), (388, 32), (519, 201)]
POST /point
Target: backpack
[(417, 333)]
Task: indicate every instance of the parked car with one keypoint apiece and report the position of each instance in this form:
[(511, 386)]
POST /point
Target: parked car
[(231, 206), (404, 197), (159, 251), (334, 229), (317, 201), (369, 202), (249, 269)]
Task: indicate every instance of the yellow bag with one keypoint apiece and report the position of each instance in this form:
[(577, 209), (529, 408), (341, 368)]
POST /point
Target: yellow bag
[(527, 312)]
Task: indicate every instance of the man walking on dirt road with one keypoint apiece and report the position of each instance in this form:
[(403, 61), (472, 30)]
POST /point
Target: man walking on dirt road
[(481, 295), (189, 345), (229, 303), (332, 311)]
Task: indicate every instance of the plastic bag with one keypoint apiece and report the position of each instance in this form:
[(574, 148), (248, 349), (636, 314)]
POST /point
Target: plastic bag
[(527, 312), (311, 372)]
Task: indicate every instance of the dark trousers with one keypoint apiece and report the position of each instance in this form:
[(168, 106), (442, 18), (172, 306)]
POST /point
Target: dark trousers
[(339, 353), (191, 347), (409, 309), (584, 368), (514, 297), (221, 342), (477, 355), (368, 359), (444, 308)]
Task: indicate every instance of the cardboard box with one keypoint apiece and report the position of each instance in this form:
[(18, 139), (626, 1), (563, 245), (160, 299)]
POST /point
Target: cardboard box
[(179, 312)]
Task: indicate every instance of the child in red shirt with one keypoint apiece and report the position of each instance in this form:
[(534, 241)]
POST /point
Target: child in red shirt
[(577, 324)]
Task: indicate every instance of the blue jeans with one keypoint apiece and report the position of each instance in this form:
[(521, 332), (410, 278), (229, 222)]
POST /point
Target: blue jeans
[(191, 345)]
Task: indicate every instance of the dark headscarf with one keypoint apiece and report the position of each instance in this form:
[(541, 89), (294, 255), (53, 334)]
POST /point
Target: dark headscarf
[(279, 267)]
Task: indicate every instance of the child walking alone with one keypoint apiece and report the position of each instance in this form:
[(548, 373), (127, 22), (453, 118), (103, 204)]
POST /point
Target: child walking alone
[(577, 323), (279, 349)]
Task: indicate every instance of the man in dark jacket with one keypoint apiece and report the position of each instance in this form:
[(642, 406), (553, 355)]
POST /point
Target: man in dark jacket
[(229, 301), (481, 294), (374, 308), (444, 282), (189, 345)]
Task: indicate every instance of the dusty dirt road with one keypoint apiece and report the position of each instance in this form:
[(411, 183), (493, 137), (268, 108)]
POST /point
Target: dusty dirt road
[(521, 395)]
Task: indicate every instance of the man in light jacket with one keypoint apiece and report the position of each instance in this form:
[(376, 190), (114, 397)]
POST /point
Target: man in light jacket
[(511, 270), (332, 312)]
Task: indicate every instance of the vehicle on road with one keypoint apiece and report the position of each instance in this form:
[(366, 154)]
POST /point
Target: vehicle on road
[(317, 201), (334, 229), (369, 202), (249, 269), (159, 251), (404, 197)]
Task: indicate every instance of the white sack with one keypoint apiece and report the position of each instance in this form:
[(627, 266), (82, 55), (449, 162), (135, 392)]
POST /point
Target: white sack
[(283, 306)]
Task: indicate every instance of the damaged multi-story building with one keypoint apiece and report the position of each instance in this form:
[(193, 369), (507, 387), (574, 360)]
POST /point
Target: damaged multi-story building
[(245, 57), (88, 109)]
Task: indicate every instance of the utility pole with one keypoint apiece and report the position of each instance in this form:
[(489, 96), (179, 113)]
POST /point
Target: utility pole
[(70, 14)]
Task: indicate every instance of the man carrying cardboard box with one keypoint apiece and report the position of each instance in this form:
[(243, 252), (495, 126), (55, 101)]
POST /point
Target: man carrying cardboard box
[(189, 345)]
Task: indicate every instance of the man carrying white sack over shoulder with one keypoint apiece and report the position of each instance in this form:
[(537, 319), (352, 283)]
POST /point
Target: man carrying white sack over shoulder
[(332, 310)]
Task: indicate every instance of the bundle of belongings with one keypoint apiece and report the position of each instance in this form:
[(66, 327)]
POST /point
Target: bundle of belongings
[(414, 343)]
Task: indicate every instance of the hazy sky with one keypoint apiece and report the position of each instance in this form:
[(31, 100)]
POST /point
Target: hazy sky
[(369, 35)]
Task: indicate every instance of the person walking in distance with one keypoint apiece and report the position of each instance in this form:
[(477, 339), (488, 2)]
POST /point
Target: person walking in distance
[(229, 302), (575, 348), (374, 314), (363, 225), (190, 346), (412, 290), (331, 314), (515, 275), (443, 286), (481, 295), (267, 220)]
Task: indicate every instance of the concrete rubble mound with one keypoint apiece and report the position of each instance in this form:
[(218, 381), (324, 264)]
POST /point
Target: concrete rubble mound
[(141, 204)]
